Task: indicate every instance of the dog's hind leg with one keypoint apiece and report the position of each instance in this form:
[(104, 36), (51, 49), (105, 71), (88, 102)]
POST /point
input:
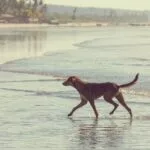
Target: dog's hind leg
[(108, 98), (120, 98), (83, 102)]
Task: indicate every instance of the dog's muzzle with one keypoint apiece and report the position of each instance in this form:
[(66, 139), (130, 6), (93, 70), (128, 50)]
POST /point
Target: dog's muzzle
[(64, 83)]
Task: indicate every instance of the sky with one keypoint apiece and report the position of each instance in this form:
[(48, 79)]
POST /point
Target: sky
[(122, 4)]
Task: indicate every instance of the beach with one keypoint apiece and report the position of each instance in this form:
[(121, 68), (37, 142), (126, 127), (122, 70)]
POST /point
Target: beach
[(34, 103), (14, 25), (69, 24)]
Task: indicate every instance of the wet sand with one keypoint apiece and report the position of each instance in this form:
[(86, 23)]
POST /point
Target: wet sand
[(34, 115), (34, 106)]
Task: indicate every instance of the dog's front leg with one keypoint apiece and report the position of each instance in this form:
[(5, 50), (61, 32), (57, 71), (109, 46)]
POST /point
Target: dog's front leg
[(83, 102), (94, 108)]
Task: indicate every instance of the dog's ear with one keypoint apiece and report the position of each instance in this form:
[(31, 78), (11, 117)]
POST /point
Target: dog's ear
[(73, 79)]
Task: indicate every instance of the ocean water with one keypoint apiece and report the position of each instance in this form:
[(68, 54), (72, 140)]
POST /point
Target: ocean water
[(34, 103)]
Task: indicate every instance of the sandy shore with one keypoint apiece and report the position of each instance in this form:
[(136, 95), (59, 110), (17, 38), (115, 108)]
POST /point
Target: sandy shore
[(69, 24), (74, 24), (22, 25)]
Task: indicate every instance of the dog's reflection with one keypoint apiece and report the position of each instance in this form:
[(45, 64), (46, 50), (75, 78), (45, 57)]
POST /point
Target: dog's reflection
[(102, 133)]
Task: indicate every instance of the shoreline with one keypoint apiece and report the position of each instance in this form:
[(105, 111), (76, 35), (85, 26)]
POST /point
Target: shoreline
[(76, 24), (73, 24), (70, 24), (11, 25)]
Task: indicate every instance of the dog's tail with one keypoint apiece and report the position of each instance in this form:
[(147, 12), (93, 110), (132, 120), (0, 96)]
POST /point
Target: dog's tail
[(130, 83)]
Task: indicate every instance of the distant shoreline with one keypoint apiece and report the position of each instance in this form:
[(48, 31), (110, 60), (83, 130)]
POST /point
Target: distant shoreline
[(69, 24), (74, 24), (10, 25)]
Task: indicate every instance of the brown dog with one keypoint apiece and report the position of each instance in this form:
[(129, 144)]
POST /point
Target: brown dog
[(91, 91)]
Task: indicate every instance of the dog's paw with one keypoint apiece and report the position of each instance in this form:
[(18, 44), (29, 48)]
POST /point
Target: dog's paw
[(69, 115), (110, 113)]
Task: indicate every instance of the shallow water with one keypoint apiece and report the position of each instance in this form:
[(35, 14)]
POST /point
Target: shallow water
[(34, 104)]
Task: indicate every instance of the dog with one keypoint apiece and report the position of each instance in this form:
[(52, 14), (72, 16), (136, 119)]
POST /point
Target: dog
[(92, 91)]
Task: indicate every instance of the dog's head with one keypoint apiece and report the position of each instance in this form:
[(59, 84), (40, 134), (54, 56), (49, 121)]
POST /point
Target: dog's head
[(70, 81)]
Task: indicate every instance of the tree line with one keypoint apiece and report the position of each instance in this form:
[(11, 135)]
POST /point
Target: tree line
[(23, 8), (70, 13)]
